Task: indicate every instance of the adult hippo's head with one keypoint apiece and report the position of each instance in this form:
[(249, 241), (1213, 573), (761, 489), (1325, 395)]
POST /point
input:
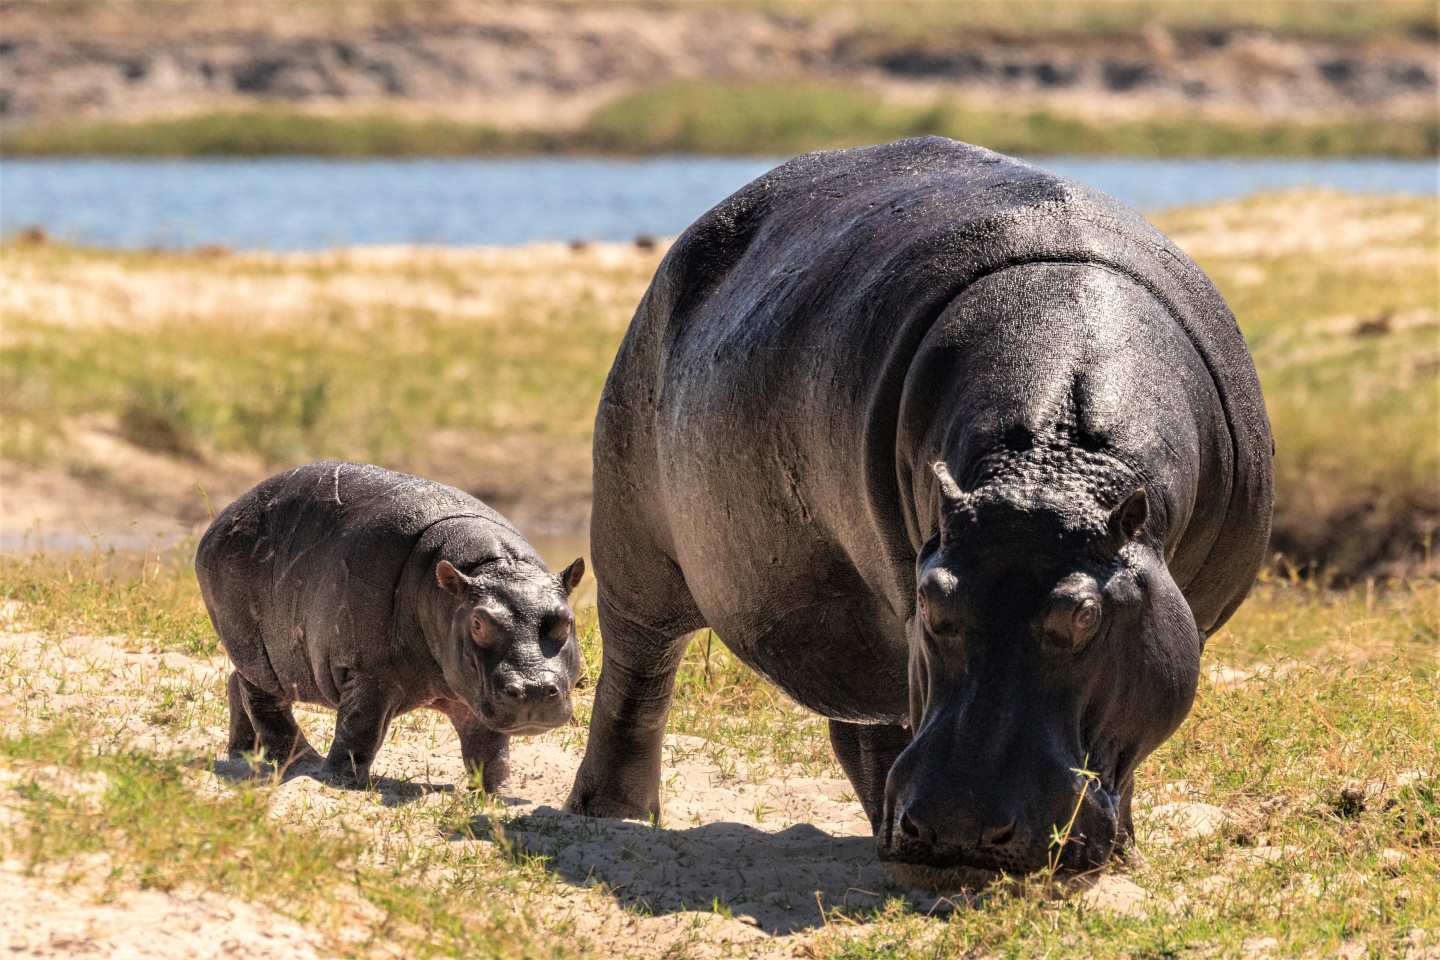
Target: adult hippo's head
[(511, 650), (1050, 652)]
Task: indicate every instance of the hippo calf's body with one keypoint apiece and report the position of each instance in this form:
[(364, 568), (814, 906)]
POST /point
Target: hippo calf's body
[(375, 593), (963, 456)]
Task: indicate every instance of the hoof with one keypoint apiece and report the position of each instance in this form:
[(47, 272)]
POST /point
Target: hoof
[(608, 808), (344, 777)]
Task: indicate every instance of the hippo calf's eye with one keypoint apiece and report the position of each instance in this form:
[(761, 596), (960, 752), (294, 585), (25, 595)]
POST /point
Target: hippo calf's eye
[(483, 629), (560, 627)]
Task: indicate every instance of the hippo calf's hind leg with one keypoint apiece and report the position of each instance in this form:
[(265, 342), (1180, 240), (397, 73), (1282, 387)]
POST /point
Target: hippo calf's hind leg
[(620, 775), (242, 732), (360, 724), (867, 752), (264, 720), (481, 748)]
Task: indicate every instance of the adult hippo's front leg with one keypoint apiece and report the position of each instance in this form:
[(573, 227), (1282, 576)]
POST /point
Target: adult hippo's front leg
[(867, 752), (620, 775)]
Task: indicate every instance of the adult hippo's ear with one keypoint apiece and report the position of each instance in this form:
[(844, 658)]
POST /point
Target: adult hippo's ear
[(952, 498), (571, 576), (452, 581), (1128, 519)]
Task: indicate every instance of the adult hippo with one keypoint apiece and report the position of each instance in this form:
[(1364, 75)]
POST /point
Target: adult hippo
[(963, 456)]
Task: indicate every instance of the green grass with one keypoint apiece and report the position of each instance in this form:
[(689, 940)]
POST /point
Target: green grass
[(150, 597), (161, 834), (267, 131), (782, 118), (225, 376), (1344, 334), (726, 118)]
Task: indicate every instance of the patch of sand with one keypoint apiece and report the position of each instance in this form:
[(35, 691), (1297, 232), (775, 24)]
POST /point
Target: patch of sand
[(39, 919)]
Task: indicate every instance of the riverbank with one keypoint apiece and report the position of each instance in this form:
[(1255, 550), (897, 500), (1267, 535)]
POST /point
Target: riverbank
[(726, 119), (165, 77), (142, 390)]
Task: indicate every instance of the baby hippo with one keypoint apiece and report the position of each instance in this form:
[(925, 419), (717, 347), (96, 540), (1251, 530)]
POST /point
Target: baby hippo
[(375, 593)]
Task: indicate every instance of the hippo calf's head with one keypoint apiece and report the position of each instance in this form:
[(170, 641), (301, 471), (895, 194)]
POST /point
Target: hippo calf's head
[(1050, 652), (511, 650)]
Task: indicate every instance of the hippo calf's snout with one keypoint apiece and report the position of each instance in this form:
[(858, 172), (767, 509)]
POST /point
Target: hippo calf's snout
[(532, 705)]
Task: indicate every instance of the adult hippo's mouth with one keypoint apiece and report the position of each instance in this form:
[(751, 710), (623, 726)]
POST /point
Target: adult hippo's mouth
[(946, 869), (947, 842)]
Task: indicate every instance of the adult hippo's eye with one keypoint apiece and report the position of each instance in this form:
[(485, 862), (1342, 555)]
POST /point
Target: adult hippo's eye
[(1072, 621)]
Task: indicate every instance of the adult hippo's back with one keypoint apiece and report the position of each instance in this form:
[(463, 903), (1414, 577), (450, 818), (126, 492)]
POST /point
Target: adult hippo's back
[(962, 455)]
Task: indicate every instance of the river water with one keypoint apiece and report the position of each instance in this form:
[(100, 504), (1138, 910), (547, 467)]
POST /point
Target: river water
[(305, 204)]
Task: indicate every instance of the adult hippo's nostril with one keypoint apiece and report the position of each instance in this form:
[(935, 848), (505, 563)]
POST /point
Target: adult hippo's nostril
[(911, 830), (997, 837)]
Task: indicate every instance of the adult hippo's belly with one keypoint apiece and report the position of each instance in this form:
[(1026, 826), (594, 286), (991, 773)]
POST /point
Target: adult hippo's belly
[(961, 455)]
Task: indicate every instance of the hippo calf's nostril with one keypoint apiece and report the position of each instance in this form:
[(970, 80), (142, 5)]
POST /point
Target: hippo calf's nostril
[(549, 691), (909, 828), (514, 691)]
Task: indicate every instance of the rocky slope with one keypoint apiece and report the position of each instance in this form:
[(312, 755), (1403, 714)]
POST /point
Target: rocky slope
[(549, 65)]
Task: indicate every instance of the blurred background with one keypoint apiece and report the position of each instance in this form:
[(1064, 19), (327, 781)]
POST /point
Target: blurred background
[(244, 235)]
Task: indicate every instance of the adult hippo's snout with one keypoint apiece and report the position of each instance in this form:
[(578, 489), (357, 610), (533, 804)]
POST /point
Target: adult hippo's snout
[(979, 793)]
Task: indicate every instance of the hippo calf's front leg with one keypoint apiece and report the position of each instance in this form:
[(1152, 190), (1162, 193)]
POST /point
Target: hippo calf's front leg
[(366, 706), (482, 748)]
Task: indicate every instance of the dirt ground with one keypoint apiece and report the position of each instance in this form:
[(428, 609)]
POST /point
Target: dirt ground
[(797, 843)]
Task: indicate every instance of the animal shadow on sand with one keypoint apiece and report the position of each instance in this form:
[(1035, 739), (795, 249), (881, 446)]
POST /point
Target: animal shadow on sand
[(775, 881), (393, 792)]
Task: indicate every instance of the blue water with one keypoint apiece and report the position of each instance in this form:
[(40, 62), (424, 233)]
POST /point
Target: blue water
[(300, 204)]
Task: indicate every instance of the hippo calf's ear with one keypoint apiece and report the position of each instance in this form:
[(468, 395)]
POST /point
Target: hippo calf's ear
[(571, 576), (1129, 518), (452, 581)]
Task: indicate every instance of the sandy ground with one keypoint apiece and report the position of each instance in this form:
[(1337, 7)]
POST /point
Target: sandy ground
[(41, 920), (772, 845)]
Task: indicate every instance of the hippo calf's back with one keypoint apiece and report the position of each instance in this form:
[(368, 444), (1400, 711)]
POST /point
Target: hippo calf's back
[(301, 573)]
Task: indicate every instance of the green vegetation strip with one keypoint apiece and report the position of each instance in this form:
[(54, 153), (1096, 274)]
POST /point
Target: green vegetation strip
[(927, 20), (715, 118)]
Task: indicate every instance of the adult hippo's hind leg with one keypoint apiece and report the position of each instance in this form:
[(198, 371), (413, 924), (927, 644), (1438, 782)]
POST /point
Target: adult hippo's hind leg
[(620, 775), (867, 752)]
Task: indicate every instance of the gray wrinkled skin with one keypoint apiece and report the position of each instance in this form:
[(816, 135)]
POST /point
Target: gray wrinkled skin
[(963, 456), (376, 593)]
